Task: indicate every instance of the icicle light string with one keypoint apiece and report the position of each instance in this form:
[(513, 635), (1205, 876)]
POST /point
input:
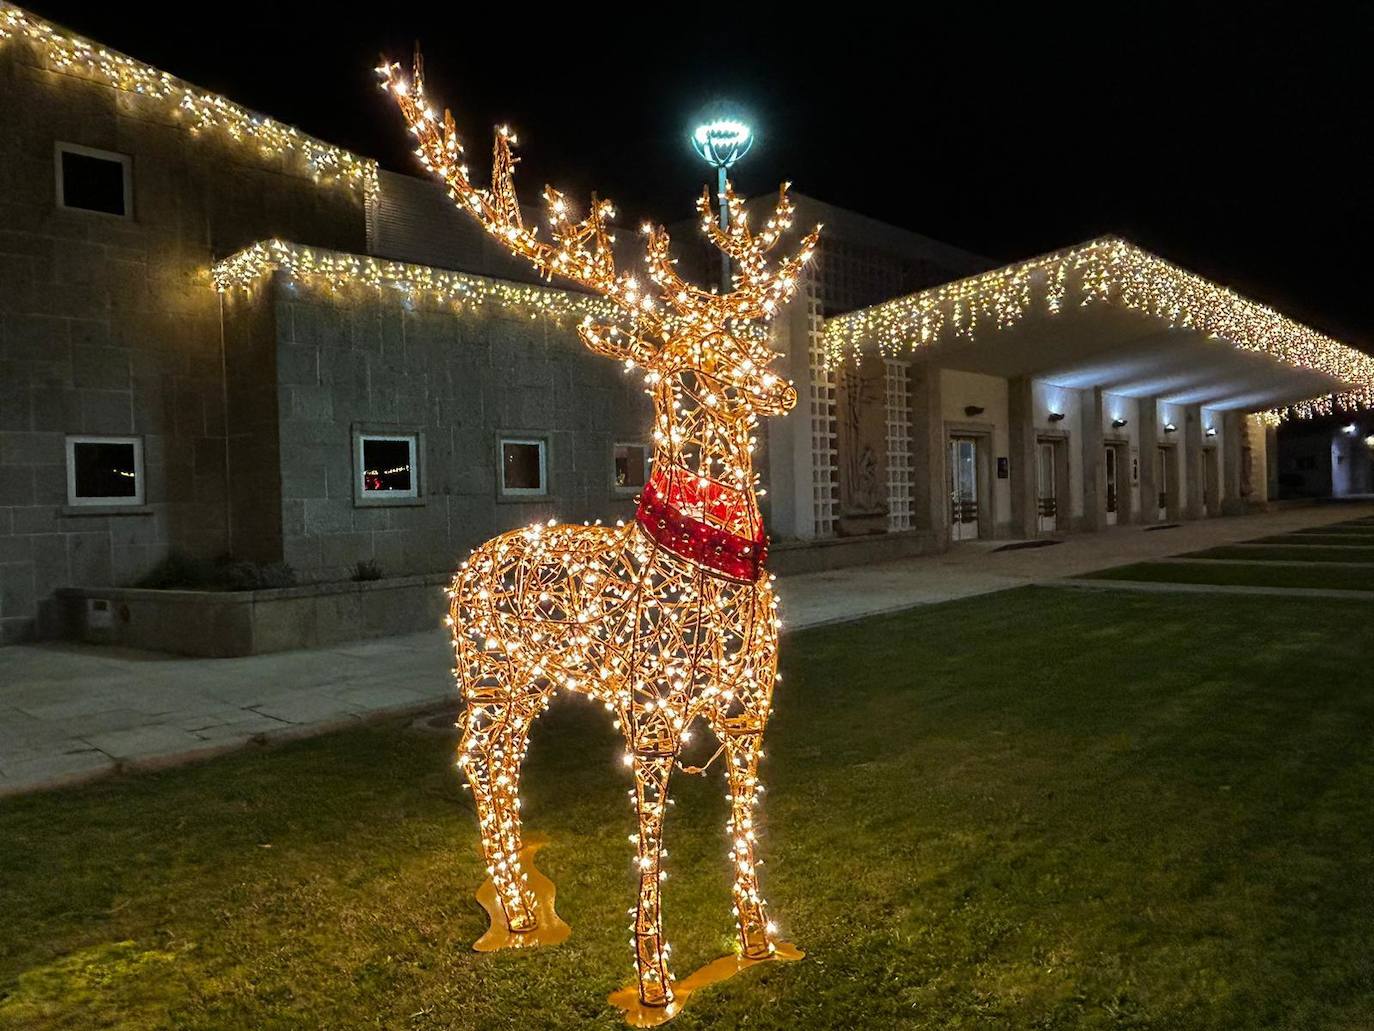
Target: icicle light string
[(199, 110), (1106, 271)]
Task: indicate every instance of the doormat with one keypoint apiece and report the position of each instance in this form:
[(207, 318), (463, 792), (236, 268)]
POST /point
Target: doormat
[(1163, 526), (1022, 545)]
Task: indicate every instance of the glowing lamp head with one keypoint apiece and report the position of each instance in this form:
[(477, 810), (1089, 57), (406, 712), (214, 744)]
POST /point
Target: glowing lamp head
[(722, 141)]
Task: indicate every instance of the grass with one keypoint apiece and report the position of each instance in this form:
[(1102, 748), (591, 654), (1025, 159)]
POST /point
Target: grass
[(1312, 574), (1300, 553), (1308, 540), (1035, 810)]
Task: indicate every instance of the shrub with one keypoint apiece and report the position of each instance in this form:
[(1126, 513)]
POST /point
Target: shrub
[(367, 569), (179, 571)]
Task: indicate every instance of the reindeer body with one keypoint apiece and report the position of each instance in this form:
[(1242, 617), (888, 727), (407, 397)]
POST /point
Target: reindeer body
[(590, 609), (668, 619)]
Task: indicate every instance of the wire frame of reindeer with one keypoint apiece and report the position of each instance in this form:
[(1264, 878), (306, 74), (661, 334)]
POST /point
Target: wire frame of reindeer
[(668, 619)]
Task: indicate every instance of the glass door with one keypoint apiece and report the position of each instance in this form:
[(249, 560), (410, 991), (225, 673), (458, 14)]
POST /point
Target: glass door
[(1048, 500), (963, 488), (1163, 480), (1109, 457)]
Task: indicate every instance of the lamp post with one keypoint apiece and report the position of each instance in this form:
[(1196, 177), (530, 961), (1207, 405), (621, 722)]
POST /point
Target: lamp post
[(721, 142)]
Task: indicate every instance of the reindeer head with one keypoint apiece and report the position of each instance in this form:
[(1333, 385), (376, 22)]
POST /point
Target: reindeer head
[(712, 346)]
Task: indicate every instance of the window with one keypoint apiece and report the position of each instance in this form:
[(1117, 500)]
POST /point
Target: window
[(94, 180), (104, 471), (631, 467), (387, 467), (523, 466)]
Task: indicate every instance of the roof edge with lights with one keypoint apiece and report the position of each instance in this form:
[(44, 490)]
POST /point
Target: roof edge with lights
[(1107, 270), (340, 272), (200, 110)]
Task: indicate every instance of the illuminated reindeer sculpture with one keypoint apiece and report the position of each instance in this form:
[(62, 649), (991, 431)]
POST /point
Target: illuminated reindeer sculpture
[(666, 620)]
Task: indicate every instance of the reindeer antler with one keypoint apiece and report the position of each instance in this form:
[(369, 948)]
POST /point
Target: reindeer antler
[(497, 209), (759, 291)]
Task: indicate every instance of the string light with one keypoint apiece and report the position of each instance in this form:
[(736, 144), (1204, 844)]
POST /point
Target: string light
[(668, 620), (418, 284), (1107, 271), (202, 111)]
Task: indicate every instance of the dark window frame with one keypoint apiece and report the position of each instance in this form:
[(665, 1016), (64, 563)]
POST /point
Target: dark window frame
[(135, 500), (522, 493), (415, 439), (126, 162), (626, 489)]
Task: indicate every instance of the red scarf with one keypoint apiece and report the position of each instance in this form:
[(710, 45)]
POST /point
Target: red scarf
[(660, 514)]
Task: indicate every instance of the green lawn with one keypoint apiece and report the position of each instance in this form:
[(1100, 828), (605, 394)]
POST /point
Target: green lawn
[(1299, 553), (1040, 809), (1310, 574)]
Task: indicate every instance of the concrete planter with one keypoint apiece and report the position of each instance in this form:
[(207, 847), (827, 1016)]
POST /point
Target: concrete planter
[(222, 624)]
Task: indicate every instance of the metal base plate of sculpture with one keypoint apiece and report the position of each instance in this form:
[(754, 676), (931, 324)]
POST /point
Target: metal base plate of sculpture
[(549, 928), (637, 1014), (669, 620)]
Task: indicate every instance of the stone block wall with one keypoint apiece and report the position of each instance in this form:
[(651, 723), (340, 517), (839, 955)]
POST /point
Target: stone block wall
[(110, 326), (461, 381)]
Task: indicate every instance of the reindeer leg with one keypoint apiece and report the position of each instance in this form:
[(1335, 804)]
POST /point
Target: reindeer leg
[(652, 763), (742, 753), (495, 726)]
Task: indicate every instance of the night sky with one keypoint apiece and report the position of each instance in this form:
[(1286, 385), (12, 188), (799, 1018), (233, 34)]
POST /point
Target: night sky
[(1235, 144)]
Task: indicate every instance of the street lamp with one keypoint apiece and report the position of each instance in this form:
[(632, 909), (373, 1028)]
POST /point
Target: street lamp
[(721, 142)]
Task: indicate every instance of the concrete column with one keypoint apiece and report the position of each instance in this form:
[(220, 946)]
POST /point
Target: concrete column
[(1232, 436), (791, 511), (1192, 462), (1094, 463), (1021, 416), (1213, 484), (929, 491), (1147, 411)]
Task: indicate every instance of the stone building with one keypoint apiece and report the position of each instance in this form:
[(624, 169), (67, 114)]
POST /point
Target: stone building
[(219, 336)]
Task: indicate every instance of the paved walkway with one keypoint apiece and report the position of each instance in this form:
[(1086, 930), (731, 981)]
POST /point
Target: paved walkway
[(70, 712)]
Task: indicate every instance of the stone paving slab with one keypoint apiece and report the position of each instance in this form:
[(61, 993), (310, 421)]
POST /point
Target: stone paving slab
[(70, 712)]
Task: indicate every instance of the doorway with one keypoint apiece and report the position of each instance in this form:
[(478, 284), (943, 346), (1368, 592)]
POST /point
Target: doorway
[(1209, 481), (1047, 495), (963, 488), (1165, 478), (1112, 465)]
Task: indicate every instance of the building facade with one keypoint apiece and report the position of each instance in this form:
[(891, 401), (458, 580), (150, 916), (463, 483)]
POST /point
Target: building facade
[(220, 337)]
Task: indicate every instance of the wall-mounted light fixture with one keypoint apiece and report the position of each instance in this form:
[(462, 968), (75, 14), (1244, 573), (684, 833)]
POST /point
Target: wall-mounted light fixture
[(1211, 431), (1118, 423), (1056, 416), (1170, 428), (1350, 430), (1369, 441), (972, 410)]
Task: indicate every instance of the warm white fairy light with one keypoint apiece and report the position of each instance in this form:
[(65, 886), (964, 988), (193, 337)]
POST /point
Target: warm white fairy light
[(666, 620), (1106, 271), (419, 284), (198, 109)]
